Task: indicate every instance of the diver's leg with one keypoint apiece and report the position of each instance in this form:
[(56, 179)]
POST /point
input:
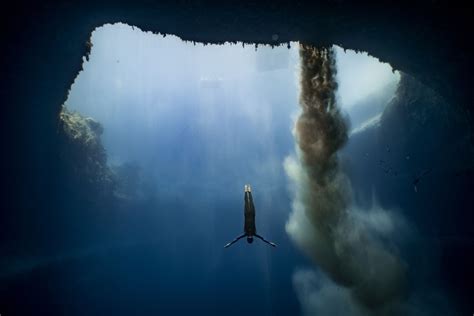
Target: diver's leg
[(234, 241), (264, 240)]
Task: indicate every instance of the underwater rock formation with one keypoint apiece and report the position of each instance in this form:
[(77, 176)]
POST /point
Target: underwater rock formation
[(418, 130), (418, 113), (418, 160), (85, 167), (83, 156)]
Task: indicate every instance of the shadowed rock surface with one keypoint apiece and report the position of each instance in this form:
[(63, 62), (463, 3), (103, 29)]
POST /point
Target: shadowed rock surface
[(83, 156), (419, 131)]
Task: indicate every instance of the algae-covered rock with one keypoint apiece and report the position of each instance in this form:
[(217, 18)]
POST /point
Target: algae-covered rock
[(83, 155), (83, 131)]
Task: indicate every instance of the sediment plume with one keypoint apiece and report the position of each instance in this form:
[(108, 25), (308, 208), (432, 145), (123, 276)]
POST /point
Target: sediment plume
[(343, 241)]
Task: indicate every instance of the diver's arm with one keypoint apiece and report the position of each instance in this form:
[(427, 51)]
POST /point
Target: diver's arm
[(234, 241), (264, 240)]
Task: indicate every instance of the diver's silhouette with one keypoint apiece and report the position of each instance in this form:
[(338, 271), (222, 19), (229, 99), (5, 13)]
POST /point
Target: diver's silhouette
[(249, 225)]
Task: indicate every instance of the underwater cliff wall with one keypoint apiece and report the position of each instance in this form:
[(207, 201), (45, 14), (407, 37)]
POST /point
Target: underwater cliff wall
[(419, 159)]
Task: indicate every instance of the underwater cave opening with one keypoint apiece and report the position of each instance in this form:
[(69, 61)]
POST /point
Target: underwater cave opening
[(185, 113), (168, 129), (182, 126)]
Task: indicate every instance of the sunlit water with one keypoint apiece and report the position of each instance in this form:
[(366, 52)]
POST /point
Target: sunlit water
[(200, 122)]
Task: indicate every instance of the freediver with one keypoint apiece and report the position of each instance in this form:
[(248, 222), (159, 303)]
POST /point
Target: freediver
[(250, 230)]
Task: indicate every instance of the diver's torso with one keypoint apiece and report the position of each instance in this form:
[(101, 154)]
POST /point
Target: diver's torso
[(249, 214)]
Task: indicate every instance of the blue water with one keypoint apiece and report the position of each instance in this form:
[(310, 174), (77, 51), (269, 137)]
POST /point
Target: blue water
[(199, 122)]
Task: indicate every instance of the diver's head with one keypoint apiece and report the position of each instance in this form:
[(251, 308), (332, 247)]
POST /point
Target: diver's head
[(250, 239)]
